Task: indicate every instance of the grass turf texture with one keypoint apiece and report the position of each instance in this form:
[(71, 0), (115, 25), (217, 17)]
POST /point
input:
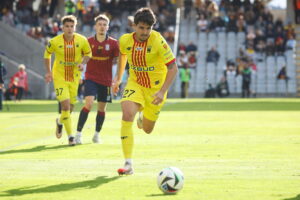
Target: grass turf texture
[(229, 149)]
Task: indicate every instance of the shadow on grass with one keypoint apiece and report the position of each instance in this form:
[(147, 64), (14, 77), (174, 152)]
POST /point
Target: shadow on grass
[(160, 195), (89, 184), (178, 106), (34, 149), (294, 198)]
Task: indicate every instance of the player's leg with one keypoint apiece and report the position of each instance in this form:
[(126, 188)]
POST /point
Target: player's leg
[(83, 117), (129, 110), (148, 117), (90, 92), (103, 97), (65, 119), (99, 121)]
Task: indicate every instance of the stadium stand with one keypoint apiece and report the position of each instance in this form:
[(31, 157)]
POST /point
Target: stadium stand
[(231, 27)]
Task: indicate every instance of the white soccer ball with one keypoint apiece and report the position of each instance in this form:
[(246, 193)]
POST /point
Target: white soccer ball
[(170, 180)]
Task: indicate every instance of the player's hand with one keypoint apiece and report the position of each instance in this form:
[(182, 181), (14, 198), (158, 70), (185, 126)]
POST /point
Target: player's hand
[(115, 86), (48, 77), (158, 97), (81, 67)]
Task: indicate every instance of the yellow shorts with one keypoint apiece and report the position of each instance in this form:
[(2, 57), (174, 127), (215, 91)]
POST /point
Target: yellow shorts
[(143, 96), (66, 90)]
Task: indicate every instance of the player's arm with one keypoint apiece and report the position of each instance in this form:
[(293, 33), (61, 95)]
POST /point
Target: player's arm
[(171, 75), (47, 61), (87, 54), (120, 70)]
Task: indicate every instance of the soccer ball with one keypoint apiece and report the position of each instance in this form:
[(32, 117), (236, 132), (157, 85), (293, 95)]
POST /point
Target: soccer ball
[(170, 180)]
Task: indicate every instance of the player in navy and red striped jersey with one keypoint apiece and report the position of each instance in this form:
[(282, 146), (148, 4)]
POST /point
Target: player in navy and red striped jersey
[(98, 76)]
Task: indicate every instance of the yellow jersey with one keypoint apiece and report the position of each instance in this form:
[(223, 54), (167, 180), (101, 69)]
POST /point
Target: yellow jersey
[(147, 60), (68, 55)]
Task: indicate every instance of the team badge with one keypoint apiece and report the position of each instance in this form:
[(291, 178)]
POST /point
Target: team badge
[(139, 49), (107, 47), (69, 46), (99, 50), (149, 49), (128, 48)]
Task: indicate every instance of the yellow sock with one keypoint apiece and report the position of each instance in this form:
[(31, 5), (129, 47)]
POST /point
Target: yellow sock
[(127, 138), (65, 119)]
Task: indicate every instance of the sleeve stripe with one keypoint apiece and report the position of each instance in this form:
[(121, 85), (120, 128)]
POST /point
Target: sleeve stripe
[(172, 61)]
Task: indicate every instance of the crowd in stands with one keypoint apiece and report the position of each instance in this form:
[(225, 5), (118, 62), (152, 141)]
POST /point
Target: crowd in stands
[(265, 36), (42, 23)]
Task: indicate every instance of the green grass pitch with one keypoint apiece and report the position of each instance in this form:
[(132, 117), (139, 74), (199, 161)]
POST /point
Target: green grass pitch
[(228, 149)]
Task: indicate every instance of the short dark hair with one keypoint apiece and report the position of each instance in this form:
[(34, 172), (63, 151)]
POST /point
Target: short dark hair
[(101, 17), (69, 18), (145, 15)]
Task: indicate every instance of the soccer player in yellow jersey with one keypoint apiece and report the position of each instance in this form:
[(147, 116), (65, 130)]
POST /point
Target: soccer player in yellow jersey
[(72, 51), (152, 69)]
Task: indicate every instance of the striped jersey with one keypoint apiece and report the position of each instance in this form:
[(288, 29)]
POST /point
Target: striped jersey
[(68, 55), (147, 60)]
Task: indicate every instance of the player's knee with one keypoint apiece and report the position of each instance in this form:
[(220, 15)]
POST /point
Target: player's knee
[(128, 116), (88, 105)]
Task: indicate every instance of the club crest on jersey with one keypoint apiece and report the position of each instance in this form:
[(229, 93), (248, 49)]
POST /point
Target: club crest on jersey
[(139, 49), (128, 48), (149, 49), (107, 47)]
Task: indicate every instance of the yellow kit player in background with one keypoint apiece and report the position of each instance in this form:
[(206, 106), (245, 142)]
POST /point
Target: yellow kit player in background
[(72, 51), (152, 69)]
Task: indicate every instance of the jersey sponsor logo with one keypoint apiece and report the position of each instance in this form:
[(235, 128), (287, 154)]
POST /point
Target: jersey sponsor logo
[(139, 48), (69, 46), (99, 49), (68, 63), (142, 69), (107, 47), (149, 49), (168, 52)]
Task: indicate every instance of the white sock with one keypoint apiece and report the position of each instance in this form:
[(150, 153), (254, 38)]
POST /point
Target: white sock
[(128, 160), (78, 134), (96, 133)]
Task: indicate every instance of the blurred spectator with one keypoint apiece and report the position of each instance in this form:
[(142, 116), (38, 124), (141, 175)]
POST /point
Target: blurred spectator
[(297, 11), (213, 56), (222, 88), (192, 60), (70, 7), (282, 74), (20, 81), (201, 24), (191, 47), (182, 59), (8, 17), (2, 88), (210, 92), (130, 23), (246, 81), (188, 4), (185, 77), (291, 43)]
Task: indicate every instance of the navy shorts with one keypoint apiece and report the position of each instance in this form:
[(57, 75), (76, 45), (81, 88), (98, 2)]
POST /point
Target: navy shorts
[(101, 92)]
